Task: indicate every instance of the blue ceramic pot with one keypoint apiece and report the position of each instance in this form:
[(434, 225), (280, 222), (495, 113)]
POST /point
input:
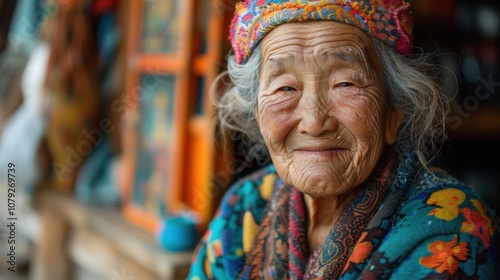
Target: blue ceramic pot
[(177, 234)]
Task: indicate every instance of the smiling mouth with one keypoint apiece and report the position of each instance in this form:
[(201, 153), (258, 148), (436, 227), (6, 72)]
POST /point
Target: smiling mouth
[(320, 152)]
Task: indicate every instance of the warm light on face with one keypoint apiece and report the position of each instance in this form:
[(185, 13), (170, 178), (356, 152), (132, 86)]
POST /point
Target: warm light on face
[(322, 109)]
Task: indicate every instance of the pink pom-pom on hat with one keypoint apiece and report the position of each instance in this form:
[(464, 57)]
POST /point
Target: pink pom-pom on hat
[(387, 20)]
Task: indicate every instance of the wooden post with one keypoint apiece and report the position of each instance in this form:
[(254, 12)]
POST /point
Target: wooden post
[(50, 260)]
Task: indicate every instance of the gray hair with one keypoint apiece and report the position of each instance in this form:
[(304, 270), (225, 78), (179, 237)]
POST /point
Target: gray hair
[(409, 83)]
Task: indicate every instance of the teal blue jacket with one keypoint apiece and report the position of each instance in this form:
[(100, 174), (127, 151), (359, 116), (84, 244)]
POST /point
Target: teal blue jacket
[(442, 230)]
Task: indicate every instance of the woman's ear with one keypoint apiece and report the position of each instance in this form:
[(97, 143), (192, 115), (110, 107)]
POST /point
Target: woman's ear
[(392, 125)]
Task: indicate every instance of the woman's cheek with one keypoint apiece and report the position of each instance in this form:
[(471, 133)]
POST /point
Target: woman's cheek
[(276, 108), (268, 120), (362, 114), (276, 121)]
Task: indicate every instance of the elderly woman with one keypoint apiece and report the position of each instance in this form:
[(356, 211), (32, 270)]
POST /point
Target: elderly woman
[(327, 88)]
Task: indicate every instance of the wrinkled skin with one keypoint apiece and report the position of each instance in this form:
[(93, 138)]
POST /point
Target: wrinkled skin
[(323, 113)]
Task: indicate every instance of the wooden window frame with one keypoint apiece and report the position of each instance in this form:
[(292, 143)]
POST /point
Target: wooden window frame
[(185, 183)]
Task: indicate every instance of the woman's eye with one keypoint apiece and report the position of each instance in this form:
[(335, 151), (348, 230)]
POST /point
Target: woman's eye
[(345, 84), (286, 88)]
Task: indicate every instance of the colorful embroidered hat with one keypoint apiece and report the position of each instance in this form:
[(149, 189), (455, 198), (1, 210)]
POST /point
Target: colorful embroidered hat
[(387, 20)]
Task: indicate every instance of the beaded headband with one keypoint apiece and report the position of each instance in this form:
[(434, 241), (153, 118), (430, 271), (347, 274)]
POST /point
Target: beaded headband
[(388, 20)]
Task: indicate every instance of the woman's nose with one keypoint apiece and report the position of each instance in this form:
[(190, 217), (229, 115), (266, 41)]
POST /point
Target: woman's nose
[(316, 118)]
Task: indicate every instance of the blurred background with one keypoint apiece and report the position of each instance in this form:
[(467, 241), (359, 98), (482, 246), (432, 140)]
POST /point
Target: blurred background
[(105, 121)]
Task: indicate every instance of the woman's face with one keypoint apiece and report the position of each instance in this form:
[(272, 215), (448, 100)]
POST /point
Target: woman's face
[(322, 109)]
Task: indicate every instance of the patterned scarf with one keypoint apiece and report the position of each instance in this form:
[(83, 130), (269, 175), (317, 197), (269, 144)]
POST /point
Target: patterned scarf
[(280, 250)]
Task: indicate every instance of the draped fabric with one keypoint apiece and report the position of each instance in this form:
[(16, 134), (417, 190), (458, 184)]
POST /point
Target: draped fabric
[(281, 247), (406, 222)]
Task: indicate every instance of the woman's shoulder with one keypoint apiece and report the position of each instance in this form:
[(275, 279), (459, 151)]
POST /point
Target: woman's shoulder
[(251, 190), (438, 198), (440, 205), (445, 195), (249, 194), (230, 233), (444, 221), (436, 178)]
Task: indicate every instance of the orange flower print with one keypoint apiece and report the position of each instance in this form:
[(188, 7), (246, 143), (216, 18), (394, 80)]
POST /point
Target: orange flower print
[(477, 222), (360, 252), (448, 201), (445, 255)]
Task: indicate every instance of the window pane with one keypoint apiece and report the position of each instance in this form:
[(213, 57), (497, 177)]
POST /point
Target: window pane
[(160, 26), (154, 151)]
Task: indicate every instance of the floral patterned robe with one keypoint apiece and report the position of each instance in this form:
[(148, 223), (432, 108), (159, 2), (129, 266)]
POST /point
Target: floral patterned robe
[(440, 230)]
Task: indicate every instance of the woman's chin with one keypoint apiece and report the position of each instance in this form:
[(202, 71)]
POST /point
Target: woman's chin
[(320, 184)]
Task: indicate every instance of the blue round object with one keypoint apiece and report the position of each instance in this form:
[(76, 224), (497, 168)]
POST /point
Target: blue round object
[(177, 234)]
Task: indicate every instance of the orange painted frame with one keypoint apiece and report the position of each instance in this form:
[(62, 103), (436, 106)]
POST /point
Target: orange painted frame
[(137, 63), (187, 129), (204, 169)]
